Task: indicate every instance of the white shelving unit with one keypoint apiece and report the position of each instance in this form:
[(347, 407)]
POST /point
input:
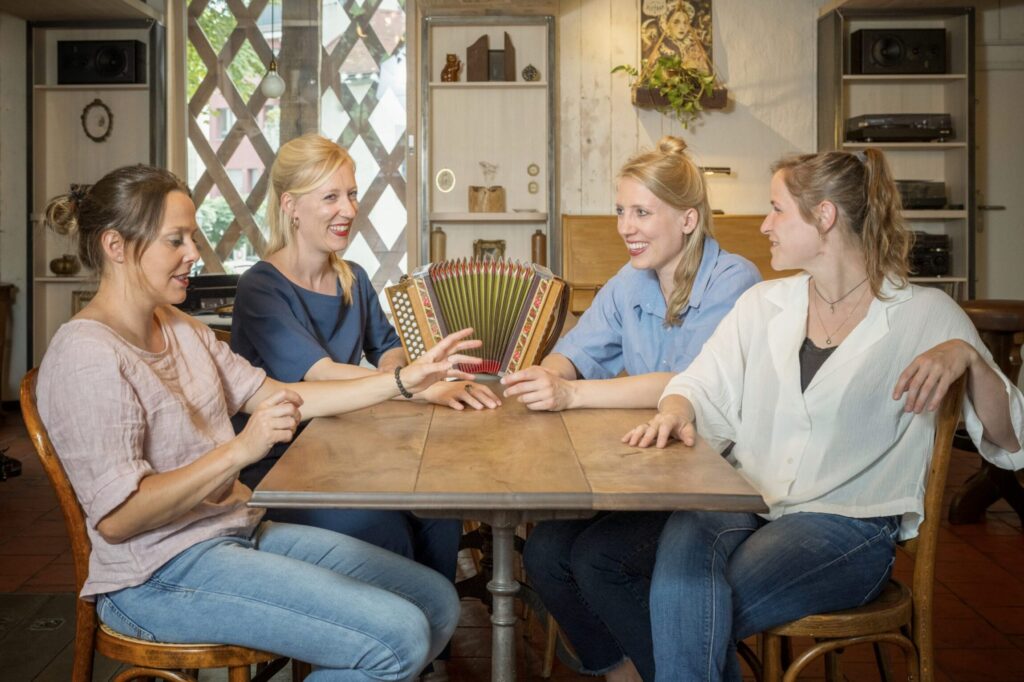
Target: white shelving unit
[(507, 123), (843, 95), (62, 154)]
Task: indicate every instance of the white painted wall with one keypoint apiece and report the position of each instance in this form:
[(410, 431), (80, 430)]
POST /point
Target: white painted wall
[(1000, 79), (763, 51), (13, 212)]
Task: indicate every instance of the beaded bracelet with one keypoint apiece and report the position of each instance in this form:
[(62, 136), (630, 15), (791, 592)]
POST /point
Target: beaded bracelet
[(401, 389)]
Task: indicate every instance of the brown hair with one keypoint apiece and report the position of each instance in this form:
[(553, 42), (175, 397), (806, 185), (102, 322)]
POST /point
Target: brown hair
[(867, 203), (672, 176), (129, 200), (302, 165)]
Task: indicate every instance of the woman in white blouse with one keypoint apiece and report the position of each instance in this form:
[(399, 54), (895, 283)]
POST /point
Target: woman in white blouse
[(826, 383)]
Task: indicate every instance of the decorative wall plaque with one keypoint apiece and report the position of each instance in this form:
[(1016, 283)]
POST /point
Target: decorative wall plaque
[(97, 120)]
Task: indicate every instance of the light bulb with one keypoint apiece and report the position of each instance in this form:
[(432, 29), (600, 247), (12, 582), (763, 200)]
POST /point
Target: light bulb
[(272, 85)]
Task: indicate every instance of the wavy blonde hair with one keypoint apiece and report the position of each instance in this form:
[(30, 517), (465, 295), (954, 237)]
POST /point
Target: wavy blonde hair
[(303, 164), (672, 176), (867, 203)]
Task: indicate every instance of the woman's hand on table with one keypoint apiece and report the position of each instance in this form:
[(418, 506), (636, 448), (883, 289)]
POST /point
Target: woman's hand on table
[(461, 394), (674, 420), (440, 362), (273, 421), (540, 388), (928, 377)]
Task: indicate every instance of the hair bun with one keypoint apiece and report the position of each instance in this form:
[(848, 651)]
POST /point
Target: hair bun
[(62, 214), (670, 144)]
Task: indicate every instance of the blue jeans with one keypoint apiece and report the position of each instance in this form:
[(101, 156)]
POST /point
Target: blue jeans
[(352, 610), (594, 577), (721, 577)]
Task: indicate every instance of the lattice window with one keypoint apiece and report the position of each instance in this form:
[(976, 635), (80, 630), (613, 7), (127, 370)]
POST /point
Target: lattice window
[(349, 84)]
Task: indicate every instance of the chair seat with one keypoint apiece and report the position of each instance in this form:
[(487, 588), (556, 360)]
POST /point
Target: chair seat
[(890, 610), (141, 652)]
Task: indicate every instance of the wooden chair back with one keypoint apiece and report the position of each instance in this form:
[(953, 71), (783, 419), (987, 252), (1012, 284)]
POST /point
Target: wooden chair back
[(222, 335), (592, 251), (74, 522), (924, 547), (148, 659)]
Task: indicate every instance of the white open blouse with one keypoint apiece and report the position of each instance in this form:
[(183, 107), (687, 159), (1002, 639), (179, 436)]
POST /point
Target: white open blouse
[(843, 446)]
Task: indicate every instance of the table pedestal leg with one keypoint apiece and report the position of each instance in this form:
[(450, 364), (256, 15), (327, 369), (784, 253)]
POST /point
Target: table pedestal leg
[(503, 588)]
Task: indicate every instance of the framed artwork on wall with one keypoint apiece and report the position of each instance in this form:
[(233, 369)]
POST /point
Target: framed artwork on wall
[(676, 28), (79, 299)]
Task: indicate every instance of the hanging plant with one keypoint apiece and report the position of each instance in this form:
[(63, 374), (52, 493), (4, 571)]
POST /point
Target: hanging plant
[(672, 87)]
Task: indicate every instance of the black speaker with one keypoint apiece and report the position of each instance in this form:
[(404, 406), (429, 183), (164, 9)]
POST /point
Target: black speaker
[(898, 50), (100, 61)]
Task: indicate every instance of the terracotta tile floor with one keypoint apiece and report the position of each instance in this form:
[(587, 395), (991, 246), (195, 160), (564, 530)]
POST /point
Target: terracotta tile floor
[(979, 595)]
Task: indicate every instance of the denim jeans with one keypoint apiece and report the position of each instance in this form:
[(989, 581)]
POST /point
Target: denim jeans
[(594, 577), (721, 577), (352, 610)]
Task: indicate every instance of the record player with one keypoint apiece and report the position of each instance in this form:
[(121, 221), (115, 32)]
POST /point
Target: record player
[(900, 128)]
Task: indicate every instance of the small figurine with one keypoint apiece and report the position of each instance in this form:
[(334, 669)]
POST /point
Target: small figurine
[(450, 72)]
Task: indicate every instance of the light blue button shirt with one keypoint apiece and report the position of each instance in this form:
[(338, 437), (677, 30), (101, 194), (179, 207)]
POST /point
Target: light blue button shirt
[(624, 328)]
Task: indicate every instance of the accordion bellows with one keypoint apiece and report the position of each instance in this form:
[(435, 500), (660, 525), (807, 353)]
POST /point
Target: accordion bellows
[(516, 309)]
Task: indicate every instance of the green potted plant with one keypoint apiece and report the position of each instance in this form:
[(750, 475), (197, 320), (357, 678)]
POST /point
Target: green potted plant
[(672, 87)]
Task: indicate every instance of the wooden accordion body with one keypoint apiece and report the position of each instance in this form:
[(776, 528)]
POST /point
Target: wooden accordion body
[(516, 309)]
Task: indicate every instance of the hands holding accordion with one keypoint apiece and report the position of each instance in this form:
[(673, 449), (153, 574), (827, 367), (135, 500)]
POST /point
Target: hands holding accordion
[(440, 362)]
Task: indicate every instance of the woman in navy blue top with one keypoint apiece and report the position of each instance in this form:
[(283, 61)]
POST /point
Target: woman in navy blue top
[(649, 321), (304, 313)]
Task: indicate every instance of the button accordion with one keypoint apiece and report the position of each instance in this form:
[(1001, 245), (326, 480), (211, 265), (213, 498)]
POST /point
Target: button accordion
[(516, 309)]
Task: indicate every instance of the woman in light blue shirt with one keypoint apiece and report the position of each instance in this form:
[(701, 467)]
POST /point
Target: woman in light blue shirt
[(649, 321)]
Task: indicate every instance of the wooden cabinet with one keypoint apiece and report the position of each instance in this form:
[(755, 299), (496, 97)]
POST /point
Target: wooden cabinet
[(63, 154), (844, 94), (506, 123)]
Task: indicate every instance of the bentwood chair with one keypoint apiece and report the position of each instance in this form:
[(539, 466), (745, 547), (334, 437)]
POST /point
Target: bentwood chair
[(175, 662), (901, 614)]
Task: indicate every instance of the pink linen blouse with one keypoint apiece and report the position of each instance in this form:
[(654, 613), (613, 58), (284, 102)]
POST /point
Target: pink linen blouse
[(117, 413)]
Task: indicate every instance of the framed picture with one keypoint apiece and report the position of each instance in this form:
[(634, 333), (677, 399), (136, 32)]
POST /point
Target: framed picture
[(676, 28), (489, 249), (97, 120), (79, 299)]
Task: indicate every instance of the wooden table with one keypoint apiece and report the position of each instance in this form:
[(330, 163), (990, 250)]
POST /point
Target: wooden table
[(502, 467)]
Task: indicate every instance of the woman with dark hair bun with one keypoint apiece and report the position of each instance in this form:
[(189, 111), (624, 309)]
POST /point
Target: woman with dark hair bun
[(825, 384), (137, 398)]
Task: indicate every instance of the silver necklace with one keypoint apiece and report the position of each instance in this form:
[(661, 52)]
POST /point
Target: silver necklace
[(817, 311), (832, 304)]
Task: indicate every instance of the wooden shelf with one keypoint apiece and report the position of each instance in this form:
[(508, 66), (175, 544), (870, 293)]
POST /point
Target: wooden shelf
[(509, 217), (904, 78), (934, 215), (930, 146), (66, 279), (938, 280), (491, 85), (94, 86), (80, 10)]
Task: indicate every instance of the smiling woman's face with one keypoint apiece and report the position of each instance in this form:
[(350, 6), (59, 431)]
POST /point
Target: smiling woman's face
[(325, 215)]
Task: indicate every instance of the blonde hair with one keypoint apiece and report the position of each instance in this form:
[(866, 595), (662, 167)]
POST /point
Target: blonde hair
[(867, 203), (303, 164), (672, 176), (129, 200)]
